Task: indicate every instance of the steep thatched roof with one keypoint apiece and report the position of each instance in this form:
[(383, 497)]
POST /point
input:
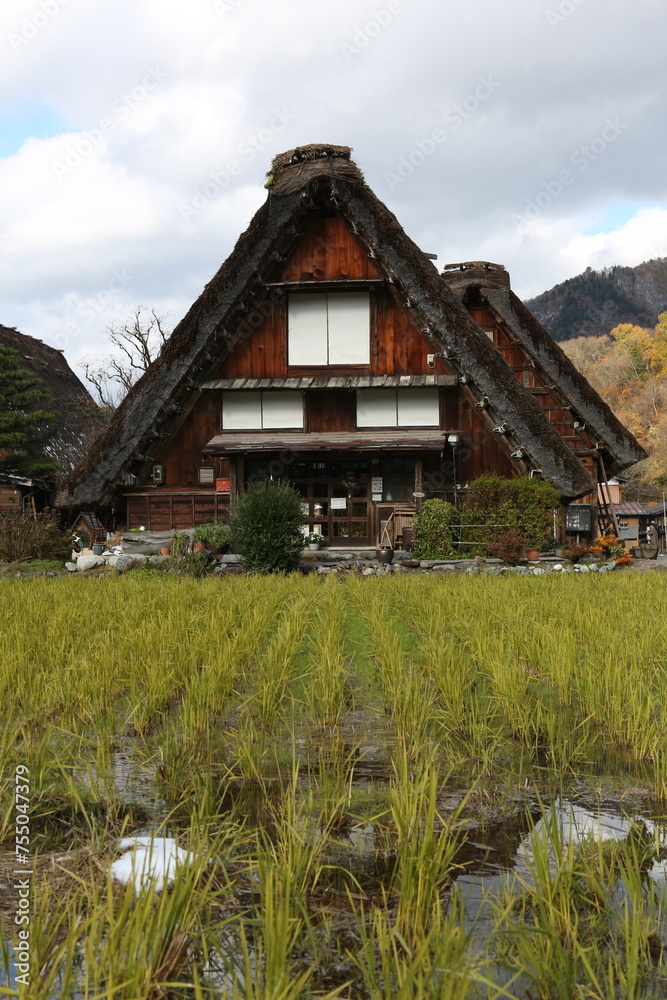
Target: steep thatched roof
[(492, 283), (79, 419), (300, 181)]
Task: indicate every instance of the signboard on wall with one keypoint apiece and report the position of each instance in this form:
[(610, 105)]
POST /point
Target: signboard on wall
[(376, 484), (338, 503), (578, 517)]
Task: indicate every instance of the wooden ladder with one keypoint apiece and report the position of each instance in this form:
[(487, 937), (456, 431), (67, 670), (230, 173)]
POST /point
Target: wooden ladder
[(607, 517)]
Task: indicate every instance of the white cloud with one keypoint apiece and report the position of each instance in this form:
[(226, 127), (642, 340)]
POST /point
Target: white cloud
[(224, 69), (643, 237)]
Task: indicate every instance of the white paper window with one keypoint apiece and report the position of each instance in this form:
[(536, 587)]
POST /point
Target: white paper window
[(376, 408), (349, 328), (307, 330), (242, 411), (398, 408), (418, 407), (329, 329), (250, 411), (282, 409)]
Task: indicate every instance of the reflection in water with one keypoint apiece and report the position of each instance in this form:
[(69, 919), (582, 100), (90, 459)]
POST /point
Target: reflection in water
[(576, 823), (497, 876)]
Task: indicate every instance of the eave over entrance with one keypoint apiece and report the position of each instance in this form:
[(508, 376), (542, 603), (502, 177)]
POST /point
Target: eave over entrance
[(223, 444)]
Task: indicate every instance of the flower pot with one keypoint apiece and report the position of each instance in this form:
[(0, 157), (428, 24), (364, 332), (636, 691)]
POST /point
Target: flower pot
[(532, 555), (645, 551), (164, 551), (198, 547), (313, 546), (98, 549), (385, 554)]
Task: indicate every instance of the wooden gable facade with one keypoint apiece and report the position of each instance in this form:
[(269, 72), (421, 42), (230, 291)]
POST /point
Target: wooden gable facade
[(328, 351), (329, 447)]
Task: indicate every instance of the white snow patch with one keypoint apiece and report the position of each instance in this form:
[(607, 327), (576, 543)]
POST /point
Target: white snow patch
[(148, 861)]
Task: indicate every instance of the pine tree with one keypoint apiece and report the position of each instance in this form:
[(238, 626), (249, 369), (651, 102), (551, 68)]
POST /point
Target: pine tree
[(24, 428)]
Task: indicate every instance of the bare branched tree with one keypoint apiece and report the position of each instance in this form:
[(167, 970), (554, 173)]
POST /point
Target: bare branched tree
[(135, 344)]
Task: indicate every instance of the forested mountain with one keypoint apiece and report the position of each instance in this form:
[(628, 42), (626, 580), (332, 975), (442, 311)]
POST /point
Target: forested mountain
[(593, 303)]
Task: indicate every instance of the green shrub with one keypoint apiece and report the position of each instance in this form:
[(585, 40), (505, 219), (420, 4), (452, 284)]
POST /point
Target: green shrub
[(266, 528), (434, 530), (522, 503), (535, 500), (193, 564), (473, 530)]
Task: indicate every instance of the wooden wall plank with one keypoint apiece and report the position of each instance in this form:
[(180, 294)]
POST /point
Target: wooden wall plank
[(328, 251), (181, 455), (331, 410)]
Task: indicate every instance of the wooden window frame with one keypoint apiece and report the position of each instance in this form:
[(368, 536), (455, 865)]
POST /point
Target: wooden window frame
[(336, 366), (261, 393), (400, 426)]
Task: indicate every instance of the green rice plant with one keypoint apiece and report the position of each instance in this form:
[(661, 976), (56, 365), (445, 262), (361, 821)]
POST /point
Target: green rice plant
[(271, 975), (287, 867), (464, 710), (408, 693), (329, 658), (232, 651), (660, 775), (424, 855), (333, 782), (212, 687), (440, 965), (274, 669)]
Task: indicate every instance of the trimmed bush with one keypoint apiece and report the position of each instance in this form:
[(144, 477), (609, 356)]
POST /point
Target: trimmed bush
[(522, 503), (434, 530), (266, 528)]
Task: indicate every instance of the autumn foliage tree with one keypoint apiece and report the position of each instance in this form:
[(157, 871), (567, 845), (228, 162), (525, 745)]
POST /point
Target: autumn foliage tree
[(628, 367)]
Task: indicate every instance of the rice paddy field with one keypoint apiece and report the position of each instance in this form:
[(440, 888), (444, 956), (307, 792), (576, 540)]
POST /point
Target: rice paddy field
[(399, 787)]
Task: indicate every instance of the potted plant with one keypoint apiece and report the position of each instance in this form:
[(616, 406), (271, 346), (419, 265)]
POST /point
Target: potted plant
[(214, 535), (314, 540)]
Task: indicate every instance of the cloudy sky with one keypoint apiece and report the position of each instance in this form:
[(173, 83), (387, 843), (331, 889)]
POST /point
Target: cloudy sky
[(136, 135)]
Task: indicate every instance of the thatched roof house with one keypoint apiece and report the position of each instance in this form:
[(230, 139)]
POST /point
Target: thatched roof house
[(79, 419), (323, 245)]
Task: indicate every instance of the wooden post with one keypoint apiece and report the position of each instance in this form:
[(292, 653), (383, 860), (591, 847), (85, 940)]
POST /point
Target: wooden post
[(419, 477), (235, 479)]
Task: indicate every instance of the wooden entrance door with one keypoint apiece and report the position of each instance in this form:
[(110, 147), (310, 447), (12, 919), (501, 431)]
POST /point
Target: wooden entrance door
[(335, 491), (337, 494)]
